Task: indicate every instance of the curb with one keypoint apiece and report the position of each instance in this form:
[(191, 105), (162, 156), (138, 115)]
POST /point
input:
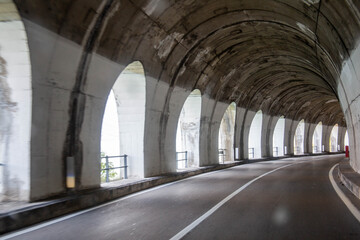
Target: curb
[(349, 177), (27, 216)]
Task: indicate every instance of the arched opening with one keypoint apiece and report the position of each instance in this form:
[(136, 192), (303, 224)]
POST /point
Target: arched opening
[(255, 136), (126, 106), (188, 130), (346, 139), (317, 138), (333, 141), (299, 138), (226, 134), (16, 106), (278, 138), (110, 141)]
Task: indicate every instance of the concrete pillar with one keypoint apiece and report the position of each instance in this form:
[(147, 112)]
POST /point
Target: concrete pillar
[(309, 136), (326, 137), (155, 100), (240, 113), (267, 134), (54, 68), (211, 115), (307, 139), (169, 123), (290, 128), (244, 136)]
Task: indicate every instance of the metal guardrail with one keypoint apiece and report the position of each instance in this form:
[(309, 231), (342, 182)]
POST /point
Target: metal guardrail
[(183, 159), (107, 168), (315, 149), (222, 154), (298, 150), (275, 151), (251, 153)]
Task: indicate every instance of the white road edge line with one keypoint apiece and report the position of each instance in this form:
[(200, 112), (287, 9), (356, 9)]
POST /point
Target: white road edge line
[(342, 196), (191, 226), (71, 215)]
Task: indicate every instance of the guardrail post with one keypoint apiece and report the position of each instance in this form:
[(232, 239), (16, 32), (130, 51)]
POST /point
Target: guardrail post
[(186, 159), (107, 167), (125, 166)]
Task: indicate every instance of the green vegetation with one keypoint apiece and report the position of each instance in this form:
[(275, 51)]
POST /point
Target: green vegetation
[(112, 172)]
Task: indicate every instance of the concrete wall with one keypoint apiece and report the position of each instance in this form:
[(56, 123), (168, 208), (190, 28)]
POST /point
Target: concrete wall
[(255, 134), (348, 89), (130, 94), (278, 136), (299, 138), (15, 110), (188, 129), (316, 139), (69, 81), (226, 134), (334, 139)]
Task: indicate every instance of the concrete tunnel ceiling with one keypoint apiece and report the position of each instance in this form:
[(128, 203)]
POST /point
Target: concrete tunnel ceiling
[(282, 57)]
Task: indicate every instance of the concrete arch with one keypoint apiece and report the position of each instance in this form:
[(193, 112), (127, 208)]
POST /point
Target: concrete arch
[(307, 69), (333, 140), (188, 130), (299, 138), (278, 137), (227, 134), (255, 135), (130, 94), (18, 174), (316, 145)]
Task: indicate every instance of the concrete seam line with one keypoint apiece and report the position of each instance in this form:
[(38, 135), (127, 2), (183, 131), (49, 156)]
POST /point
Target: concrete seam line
[(192, 225), (355, 212)]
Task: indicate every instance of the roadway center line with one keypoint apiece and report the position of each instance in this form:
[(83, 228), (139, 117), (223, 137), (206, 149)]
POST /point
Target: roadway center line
[(342, 196), (191, 226)]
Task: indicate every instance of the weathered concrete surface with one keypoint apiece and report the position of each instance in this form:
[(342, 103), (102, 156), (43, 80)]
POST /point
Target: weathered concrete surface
[(296, 59), (15, 106), (349, 177)]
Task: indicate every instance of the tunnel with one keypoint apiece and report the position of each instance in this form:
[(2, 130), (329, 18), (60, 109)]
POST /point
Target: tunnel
[(196, 86)]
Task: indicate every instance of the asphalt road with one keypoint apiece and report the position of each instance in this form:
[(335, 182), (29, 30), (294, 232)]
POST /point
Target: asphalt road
[(283, 199)]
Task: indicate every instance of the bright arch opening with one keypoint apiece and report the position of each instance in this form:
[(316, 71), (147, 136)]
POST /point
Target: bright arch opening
[(346, 139), (255, 136), (16, 106), (226, 134), (333, 141), (317, 139), (188, 130), (299, 138), (278, 138), (124, 144)]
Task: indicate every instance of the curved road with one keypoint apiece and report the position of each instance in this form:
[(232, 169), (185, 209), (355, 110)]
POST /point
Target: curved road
[(283, 199)]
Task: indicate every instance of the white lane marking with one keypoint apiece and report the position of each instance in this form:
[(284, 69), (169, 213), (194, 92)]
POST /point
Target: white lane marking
[(191, 226), (342, 196), (60, 219)]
